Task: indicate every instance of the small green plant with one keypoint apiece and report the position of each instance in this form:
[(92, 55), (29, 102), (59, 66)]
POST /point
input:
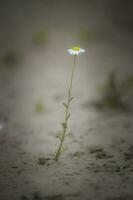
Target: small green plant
[(115, 94), (12, 58), (64, 133), (39, 107), (40, 37)]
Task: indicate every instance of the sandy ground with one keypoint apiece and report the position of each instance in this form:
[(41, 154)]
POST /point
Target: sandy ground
[(98, 163)]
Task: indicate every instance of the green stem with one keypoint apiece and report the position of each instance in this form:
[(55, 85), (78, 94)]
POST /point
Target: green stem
[(69, 98)]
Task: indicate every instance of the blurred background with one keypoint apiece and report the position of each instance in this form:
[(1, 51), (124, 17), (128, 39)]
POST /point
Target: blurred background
[(35, 68)]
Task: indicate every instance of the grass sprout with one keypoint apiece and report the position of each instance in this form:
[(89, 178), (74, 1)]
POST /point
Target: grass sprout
[(40, 37), (39, 107), (115, 94), (12, 58)]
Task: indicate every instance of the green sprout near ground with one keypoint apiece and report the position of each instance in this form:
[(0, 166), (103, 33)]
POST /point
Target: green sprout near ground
[(39, 107), (12, 58), (64, 133), (40, 37), (115, 94)]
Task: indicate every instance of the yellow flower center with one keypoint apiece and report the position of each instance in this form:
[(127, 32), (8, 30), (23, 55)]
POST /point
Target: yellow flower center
[(76, 48)]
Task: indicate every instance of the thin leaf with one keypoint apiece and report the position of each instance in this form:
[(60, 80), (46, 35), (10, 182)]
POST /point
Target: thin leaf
[(70, 134), (71, 98), (63, 149), (59, 136), (65, 105), (64, 125)]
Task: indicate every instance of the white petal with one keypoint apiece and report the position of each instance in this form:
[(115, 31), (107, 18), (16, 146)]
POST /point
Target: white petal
[(69, 50), (82, 50), (74, 52)]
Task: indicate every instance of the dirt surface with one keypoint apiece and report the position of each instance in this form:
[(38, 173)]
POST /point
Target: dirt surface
[(98, 163)]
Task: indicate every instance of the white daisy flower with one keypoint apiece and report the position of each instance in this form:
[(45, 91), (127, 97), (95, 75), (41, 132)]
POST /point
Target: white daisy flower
[(75, 50)]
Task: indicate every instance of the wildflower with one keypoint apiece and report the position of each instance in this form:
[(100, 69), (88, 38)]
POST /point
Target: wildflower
[(64, 133), (76, 50)]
